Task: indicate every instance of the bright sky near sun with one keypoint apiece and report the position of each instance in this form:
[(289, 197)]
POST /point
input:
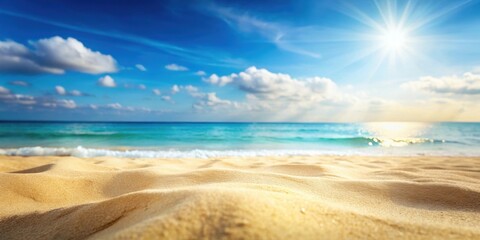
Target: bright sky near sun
[(208, 60)]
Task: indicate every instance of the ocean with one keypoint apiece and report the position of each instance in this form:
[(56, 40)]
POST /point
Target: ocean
[(201, 140)]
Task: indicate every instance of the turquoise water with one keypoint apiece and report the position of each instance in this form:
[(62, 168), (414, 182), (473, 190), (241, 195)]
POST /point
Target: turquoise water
[(215, 139)]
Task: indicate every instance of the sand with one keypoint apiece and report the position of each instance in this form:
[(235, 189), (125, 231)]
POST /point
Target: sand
[(311, 197)]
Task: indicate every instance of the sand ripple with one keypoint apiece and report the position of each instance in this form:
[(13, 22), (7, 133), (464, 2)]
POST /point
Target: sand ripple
[(240, 198)]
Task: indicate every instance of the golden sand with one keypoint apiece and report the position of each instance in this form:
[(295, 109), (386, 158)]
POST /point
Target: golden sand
[(322, 197)]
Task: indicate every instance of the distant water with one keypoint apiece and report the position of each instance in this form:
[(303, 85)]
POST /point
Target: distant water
[(237, 139)]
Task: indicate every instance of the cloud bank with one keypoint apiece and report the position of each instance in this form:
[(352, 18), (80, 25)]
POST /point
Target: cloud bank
[(263, 84), (467, 84), (8, 97), (54, 55)]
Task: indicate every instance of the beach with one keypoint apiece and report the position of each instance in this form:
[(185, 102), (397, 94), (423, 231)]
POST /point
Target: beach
[(252, 120), (278, 197)]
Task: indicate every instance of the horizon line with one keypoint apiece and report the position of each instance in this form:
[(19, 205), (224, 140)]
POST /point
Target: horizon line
[(226, 122)]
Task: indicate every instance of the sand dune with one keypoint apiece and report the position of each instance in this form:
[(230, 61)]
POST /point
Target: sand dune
[(322, 197)]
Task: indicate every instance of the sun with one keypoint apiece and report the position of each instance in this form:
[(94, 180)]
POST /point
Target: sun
[(394, 39), (390, 36)]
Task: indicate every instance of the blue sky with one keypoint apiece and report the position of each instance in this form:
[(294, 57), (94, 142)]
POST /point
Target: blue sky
[(240, 60)]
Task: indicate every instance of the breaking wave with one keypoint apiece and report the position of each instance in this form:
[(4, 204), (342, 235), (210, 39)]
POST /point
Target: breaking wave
[(198, 153)]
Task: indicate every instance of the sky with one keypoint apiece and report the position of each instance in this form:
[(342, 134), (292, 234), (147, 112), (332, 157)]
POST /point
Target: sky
[(260, 61)]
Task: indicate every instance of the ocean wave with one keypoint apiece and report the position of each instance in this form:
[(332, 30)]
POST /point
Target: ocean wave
[(362, 141), (164, 139), (197, 153), (50, 135), (400, 142), (83, 152)]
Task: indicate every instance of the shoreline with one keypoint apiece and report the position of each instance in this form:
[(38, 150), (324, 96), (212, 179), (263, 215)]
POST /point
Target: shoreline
[(152, 153), (378, 197)]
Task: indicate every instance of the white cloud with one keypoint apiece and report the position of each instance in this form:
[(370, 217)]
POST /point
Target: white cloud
[(10, 98), (156, 92), (19, 83), (467, 84), (116, 106), (141, 67), (192, 90), (24, 99), (107, 81), (200, 73), (15, 101), (16, 58), (175, 67), (277, 34), (175, 89), (71, 54), (62, 103), (4, 90), (205, 101), (7, 96), (139, 86), (53, 55), (76, 93), (67, 103), (167, 98), (210, 101), (280, 97), (476, 69), (119, 108), (263, 84), (220, 81), (60, 90)]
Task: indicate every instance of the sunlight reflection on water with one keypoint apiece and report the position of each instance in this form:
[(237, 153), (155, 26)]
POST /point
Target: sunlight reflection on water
[(396, 134)]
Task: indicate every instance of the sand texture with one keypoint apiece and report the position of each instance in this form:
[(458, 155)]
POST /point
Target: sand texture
[(322, 197)]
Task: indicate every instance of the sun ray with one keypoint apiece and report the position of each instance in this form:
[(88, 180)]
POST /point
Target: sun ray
[(394, 35), (361, 17), (382, 13), (346, 60), (377, 65), (405, 14), (438, 14)]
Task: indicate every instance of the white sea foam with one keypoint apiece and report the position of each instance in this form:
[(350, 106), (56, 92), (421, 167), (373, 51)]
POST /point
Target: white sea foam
[(198, 153)]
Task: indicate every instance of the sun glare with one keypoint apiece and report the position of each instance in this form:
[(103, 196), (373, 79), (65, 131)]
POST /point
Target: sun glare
[(394, 39)]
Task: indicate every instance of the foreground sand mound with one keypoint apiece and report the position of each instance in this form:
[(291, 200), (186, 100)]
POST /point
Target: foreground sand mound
[(245, 198)]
